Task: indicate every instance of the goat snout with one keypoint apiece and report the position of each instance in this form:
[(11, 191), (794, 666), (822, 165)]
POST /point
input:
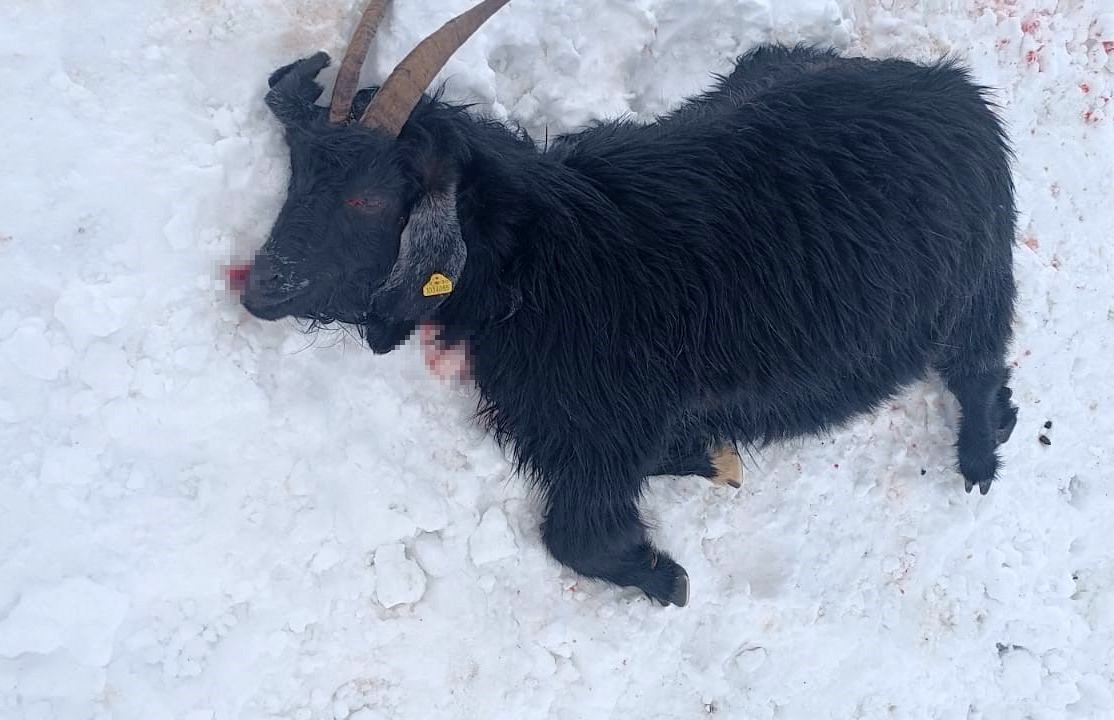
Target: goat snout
[(269, 291)]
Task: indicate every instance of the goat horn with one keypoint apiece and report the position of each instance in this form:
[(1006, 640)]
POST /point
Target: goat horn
[(348, 76), (400, 93)]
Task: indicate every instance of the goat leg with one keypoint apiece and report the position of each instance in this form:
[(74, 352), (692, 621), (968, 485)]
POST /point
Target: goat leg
[(603, 537)]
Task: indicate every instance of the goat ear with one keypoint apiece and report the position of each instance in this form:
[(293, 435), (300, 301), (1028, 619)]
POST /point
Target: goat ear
[(293, 90), (431, 257)]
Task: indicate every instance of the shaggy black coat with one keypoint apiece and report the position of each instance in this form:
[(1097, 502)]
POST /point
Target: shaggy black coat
[(776, 256)]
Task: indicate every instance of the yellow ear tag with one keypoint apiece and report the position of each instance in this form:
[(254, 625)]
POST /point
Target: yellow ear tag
[(438, 284)]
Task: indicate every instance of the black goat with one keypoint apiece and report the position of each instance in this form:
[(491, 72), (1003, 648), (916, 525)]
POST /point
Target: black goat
[(776, 256)]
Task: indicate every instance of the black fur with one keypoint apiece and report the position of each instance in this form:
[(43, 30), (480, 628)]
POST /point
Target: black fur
[(776, 256)]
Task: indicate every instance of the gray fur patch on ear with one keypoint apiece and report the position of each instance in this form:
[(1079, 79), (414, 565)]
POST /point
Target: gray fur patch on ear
[(431, 243)]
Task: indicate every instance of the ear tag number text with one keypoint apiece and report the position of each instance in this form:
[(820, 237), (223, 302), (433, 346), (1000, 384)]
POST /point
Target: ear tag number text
[(437, 284)]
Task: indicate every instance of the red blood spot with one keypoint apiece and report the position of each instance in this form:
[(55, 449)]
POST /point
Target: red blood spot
[(1108, 46), (1031, 56), (445, 362), (366, 204), (1031, 242), (237, 277), (1085, 87), (1089, 117), (1030, 25), (1002, 42)]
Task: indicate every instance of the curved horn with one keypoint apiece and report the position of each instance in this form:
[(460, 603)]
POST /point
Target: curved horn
[(399, 95), (348, 76)]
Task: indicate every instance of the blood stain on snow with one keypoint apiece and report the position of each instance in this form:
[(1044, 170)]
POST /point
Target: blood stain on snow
[(237, 277), (1031, 242)]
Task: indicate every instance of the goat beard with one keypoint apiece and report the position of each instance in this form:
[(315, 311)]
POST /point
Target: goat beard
[(447, 362)]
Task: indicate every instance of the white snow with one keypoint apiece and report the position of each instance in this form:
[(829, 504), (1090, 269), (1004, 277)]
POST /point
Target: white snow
[(208, 517), (76, 614), (398, 578), (493, 539), (29, 350)]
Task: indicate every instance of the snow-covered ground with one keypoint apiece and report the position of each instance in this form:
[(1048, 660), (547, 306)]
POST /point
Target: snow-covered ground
[(206, 517)]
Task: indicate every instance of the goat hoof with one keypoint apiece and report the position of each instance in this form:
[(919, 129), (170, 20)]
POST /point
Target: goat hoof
[(1007, 415), (680, 596), (728, 467), (984, 486), (667, 583), (1009, 422)]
